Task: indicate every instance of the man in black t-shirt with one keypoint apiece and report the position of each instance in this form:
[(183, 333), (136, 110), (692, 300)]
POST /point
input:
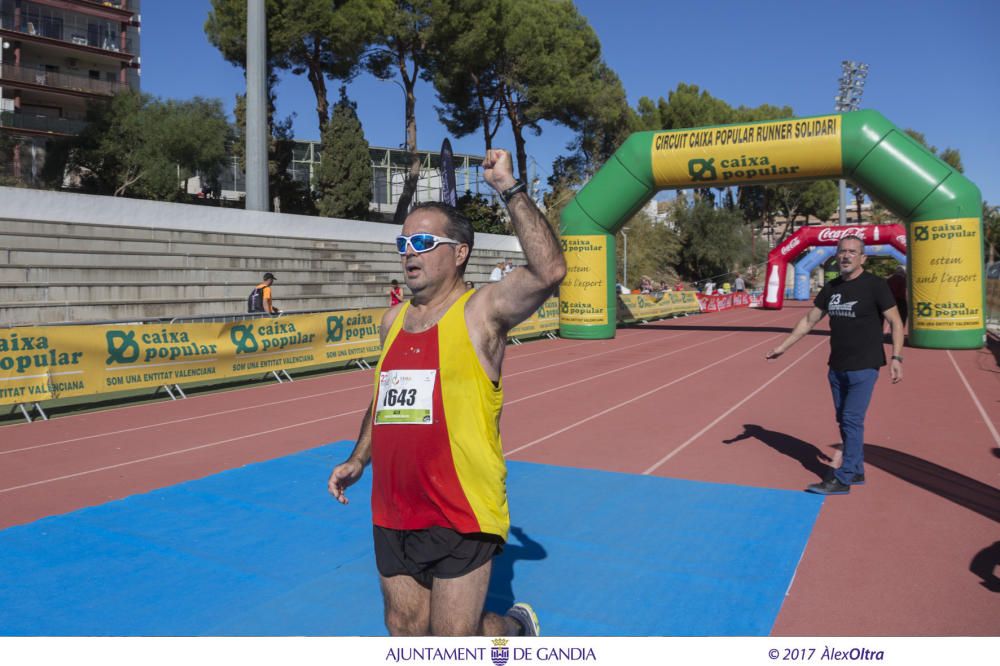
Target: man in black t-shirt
[(858, 303)]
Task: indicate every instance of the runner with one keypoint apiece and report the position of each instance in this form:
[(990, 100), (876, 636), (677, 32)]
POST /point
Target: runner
[(439, 503)]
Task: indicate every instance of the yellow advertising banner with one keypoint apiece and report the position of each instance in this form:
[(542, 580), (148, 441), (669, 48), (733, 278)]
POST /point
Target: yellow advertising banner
[(45, 363), (775, 151), (583, 296), (645, 307), (946, 264), (543, 320)]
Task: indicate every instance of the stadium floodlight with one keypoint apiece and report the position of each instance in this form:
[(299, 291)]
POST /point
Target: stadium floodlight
[(852, 86)]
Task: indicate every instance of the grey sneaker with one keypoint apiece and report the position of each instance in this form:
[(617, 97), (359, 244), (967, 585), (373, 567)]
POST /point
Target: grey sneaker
[(524, 615)]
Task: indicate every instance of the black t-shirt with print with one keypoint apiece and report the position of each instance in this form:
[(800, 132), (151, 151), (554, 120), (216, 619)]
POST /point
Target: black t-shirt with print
[(855, 308)]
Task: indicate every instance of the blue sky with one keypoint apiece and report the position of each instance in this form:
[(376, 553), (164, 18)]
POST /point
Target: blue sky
[(934, 67)]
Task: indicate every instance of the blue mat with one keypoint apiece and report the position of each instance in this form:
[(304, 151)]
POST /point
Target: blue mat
[(264, 551)]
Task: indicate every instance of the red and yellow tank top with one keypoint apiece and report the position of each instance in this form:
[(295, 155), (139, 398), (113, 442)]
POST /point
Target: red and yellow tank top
[(437, 459)]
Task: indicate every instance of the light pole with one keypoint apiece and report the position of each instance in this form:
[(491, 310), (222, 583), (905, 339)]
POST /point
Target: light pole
[(257, 129), (625, 258), (852, 86)]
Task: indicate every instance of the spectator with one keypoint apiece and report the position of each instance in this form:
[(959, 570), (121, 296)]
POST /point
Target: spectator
[(395, 294), (858, 302), (469, 285), (508, 266), (738, 284), (260, 298), (497, 273)]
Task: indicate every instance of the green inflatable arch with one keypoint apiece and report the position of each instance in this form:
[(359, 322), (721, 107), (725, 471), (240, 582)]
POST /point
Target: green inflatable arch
[(941, 208)]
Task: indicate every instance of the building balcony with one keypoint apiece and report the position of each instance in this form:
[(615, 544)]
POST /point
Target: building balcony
[(40, 124), (35, 78), (90, 38)]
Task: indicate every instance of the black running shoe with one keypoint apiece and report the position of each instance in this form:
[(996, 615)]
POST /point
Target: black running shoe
[(829, 487)]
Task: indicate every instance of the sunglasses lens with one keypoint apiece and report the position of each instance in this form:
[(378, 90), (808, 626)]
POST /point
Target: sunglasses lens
[(422, 242), (401, 244)]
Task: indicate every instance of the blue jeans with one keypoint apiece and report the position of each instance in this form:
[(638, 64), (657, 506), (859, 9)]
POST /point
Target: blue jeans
[(852, 391)]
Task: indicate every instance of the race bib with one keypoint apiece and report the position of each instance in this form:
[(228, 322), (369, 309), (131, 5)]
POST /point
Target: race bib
[(405, 396)]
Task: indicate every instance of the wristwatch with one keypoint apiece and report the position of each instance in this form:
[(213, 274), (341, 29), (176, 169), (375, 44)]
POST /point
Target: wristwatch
[(897, 358), (509, 193)]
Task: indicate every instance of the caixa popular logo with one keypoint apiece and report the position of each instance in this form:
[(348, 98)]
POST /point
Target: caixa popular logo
[(122, 347), (921, 233)]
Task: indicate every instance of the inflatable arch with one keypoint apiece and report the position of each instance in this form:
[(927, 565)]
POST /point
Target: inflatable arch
[(942, 210), (806, 237), (819, 254)]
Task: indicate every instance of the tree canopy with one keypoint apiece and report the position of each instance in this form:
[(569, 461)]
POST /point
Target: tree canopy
[(344, 176), (139, 146)]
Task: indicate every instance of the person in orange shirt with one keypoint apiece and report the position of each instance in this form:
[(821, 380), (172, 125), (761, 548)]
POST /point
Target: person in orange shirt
[(260, 297), (431, 431)]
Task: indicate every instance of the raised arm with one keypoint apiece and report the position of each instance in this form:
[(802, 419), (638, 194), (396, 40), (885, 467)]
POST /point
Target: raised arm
[(512, 300)]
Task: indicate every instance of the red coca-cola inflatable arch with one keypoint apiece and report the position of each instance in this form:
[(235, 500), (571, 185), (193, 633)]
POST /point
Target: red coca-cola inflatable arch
[(806, 237)]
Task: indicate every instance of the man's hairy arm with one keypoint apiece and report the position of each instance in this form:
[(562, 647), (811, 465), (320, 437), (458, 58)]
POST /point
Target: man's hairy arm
[(522, 291)]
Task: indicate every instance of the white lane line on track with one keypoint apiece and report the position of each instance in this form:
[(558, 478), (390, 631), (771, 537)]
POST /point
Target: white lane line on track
[(638, 397), (979, 405), (583, 358), (178, 452), (184, 420), (587, 358), (729, 411), (589, 378)]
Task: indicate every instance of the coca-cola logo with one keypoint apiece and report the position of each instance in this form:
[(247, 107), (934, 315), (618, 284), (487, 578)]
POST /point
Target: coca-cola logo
[(792, 244), (836, 234), (901, 239)]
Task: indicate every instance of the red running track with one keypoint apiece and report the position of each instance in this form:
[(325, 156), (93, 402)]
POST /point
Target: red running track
[(686, 398)]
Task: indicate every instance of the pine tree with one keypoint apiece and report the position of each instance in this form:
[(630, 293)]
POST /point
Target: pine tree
[(344, 176)]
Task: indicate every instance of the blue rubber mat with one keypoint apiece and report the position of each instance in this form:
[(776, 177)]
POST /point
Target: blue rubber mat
[(263, 551)]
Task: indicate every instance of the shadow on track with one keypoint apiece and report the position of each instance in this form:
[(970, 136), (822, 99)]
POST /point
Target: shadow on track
[(984, 565), (809, 456), (500, 595), (952, 486)]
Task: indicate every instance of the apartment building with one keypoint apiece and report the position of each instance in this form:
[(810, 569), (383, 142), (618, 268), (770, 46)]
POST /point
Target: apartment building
[(55, 56)]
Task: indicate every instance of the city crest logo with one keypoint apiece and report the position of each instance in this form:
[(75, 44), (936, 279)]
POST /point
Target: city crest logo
[(500, 653)]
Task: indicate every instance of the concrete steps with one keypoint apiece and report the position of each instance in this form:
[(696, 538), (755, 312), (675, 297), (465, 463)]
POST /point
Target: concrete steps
[(59, 271)]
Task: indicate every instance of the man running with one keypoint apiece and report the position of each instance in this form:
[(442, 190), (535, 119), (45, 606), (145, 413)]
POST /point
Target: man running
[(439, 502), (857, 303)]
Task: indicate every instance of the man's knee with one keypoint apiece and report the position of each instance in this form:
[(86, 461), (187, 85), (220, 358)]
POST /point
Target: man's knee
[(453, 625), (406, 623)]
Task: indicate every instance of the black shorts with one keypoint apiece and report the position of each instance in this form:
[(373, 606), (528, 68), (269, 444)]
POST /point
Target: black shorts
[(437, 552)]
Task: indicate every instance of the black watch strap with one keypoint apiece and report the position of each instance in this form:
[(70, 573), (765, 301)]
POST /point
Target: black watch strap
[(509, 193), (897, 358)]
